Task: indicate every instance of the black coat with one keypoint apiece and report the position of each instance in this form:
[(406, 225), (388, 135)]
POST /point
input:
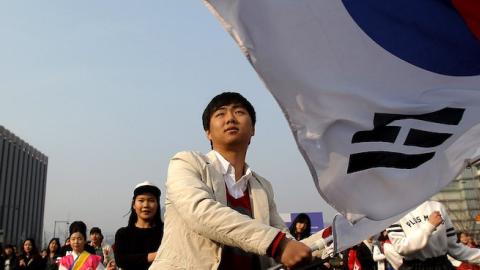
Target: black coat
[(365, 257), (33, 263), (13, 263)]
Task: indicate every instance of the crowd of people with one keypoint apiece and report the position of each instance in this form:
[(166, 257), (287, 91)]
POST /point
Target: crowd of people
[(134, 249), (220, 214)]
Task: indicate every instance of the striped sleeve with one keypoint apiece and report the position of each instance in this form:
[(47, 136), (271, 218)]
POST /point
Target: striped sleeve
[(451, 232), (395, 228)]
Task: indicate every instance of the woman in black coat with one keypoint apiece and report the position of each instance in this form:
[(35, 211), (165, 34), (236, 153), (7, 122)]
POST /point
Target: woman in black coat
[(30, 259)]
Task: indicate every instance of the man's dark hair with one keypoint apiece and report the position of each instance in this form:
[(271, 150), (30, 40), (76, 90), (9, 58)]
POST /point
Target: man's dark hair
[(95, 230), (223, 99)]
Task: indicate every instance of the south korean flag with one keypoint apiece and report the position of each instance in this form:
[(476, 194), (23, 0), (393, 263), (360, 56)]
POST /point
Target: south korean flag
[(383, 97)]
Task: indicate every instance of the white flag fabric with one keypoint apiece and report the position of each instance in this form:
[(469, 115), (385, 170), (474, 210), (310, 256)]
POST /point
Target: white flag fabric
[(382, 97)]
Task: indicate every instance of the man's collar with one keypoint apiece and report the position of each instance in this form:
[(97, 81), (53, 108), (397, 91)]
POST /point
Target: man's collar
[(225, 166)]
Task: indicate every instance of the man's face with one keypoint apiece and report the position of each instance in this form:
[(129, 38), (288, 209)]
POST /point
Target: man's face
[(230, 125), (95, 238)]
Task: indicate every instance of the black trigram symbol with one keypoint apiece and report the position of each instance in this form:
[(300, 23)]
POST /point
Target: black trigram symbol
[(381, 132)]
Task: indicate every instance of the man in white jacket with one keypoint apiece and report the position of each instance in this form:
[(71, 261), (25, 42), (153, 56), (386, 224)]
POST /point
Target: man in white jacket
[(425, 236), (220, 214)]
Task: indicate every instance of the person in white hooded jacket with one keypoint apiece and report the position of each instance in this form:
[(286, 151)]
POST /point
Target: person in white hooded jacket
[(425, 236)]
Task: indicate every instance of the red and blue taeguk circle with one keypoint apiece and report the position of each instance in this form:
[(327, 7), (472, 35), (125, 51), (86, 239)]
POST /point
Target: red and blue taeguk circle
[(441, 36)]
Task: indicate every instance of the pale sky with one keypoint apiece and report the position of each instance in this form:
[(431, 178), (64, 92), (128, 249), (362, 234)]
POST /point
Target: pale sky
[(110, 90)]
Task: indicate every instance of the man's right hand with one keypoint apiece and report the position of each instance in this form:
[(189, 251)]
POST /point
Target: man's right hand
[(294, 253)]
